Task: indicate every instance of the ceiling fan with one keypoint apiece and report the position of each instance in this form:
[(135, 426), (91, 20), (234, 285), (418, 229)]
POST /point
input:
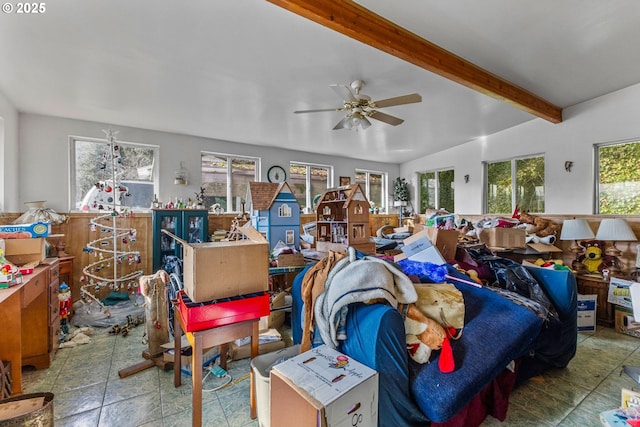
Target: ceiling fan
[(360, 107)]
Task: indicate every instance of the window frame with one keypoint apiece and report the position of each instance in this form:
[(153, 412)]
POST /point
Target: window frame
[(436, 172), (597, 170), (385, 186), (308, 166), (73, 139), (229, 159), (514, 182)]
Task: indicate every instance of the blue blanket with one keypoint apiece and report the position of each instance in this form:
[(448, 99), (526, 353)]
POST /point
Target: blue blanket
[(496, 332)]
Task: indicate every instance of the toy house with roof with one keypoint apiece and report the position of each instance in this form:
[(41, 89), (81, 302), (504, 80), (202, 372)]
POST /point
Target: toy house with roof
[(342, 217), (275, 212)]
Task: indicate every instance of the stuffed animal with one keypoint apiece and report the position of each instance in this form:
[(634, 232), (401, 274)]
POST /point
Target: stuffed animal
[(423, 335), (538, 226), (593, 259)]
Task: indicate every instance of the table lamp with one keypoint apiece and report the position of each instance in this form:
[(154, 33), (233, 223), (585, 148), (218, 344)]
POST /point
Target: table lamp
[(576, 229), (615, 230)]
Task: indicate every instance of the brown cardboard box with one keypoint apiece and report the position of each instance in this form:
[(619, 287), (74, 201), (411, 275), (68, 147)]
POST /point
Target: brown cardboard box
[(512, 238), (308, 390), (503, 238), (446, 241), (217, 270), (23, 251), (625, 323), (276, 319), (243, 351), (289, 260)]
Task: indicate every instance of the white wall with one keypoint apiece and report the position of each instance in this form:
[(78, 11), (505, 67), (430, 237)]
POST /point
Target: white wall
[(44, 157), (8, 155), (609, 118)]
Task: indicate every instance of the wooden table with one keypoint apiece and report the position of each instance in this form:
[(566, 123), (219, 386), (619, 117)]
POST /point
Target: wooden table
[(200, 340)]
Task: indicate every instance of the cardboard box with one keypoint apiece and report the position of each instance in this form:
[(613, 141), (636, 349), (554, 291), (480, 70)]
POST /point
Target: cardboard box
[(323, 387), (290, 260), (445, 240), (217, 270), (619, 293), (209, 355), (625, 323), (25, 231), (512, 238), (23, 251), (587, 305), (269, 341), (274, 320), (503, 238)]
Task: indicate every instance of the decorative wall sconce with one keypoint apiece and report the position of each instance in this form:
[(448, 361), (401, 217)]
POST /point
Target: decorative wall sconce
[(568, 165), (466, 178), (181, 175)]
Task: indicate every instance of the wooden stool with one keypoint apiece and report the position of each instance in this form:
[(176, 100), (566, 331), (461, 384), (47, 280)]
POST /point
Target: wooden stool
[(200, 340)]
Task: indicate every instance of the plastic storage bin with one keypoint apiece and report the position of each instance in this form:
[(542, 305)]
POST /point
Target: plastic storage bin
[(261, 366)]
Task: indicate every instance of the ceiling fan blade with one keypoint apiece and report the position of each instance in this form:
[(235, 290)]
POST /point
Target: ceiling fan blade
[(398, 100), (317, 111), (344, 93), (387, 118), (342, 123)]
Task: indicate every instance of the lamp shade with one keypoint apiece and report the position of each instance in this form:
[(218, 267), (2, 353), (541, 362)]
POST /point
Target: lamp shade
[(576, 229), (616, 230)]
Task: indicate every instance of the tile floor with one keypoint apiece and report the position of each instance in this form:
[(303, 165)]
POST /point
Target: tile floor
[(89, 392)]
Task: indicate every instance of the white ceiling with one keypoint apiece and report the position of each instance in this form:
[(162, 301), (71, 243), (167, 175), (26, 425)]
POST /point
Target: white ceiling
[(236, 70)]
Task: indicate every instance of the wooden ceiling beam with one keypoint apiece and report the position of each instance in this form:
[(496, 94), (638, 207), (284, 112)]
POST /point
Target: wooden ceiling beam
[(359, 23)]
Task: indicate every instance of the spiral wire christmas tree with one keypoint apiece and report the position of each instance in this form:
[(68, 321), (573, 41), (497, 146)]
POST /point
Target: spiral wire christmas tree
[(113, 247)]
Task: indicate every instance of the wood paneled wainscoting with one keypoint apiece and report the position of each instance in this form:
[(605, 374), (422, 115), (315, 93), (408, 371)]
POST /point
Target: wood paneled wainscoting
[(77, 233)]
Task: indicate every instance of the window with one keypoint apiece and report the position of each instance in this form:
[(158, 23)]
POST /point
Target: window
[(374, 185), (618, 176), (284, 211), (515, 182), (226, 178), (308, 181), (91, 171), (437, 190)]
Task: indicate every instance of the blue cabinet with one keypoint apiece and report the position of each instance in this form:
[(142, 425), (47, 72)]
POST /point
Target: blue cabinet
[(190, 225)]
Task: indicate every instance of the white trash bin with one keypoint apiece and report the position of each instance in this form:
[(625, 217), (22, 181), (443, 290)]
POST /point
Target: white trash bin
[(261, 366)]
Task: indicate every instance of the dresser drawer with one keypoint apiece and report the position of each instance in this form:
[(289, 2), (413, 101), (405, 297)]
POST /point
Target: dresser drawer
[(54, 337), (33, 288)]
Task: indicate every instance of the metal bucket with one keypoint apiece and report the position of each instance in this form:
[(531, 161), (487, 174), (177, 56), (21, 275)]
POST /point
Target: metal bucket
[(41, 417)]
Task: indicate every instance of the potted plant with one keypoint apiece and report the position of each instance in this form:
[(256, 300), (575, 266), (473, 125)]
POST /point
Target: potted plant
[(400, 192)]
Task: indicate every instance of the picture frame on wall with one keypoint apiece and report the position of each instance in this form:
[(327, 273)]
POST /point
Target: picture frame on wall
[(345, 180)]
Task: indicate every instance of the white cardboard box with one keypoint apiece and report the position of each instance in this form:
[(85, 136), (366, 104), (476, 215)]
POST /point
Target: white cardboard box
[(323, 387), (619, 292), (587, 305)]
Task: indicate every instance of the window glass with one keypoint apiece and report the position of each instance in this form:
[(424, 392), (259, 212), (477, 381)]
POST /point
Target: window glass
[(619, 178), (374, 185), (499, 187), (307, 181), (93, 172), (517, 182), (226, 178), (530, 184), (437, 190)]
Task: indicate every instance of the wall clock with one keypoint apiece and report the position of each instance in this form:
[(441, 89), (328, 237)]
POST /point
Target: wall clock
[(276, 174)]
